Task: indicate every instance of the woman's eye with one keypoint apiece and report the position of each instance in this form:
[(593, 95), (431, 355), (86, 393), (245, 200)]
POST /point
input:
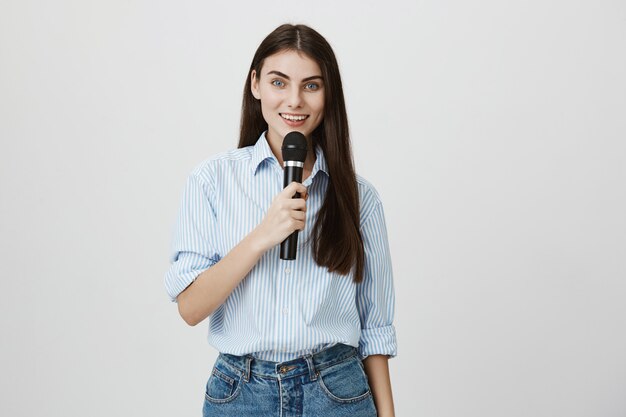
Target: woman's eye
[(278, 83), (311, 86)]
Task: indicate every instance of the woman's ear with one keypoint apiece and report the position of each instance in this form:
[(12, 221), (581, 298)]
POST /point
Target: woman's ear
[(254, 85)]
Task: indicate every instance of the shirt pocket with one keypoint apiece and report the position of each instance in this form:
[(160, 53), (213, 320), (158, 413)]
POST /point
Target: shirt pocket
[(323, 296)]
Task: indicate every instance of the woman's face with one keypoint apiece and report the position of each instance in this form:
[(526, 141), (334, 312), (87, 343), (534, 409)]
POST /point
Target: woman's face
[(291, 90)]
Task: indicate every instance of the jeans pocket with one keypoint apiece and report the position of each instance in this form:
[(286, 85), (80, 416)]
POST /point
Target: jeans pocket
[(345, 382), (224, 384)]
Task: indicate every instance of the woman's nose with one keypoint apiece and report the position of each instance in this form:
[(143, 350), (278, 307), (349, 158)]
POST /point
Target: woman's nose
[(295, 98)]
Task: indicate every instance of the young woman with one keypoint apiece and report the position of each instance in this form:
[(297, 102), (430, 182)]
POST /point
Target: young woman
[(304, 337)]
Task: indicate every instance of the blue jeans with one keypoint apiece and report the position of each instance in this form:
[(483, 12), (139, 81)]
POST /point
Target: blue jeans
[(329, 383)]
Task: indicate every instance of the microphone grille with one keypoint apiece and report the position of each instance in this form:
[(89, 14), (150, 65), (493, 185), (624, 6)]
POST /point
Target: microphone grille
[(294, 147)]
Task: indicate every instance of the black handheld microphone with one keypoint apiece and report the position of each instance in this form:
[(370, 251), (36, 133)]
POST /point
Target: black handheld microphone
[(294, 153)]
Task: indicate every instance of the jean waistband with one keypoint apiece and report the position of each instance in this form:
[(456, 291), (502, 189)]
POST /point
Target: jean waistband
[(310, 364)]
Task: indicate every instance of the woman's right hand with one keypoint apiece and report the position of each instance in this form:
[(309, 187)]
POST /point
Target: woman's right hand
[(285, 215)]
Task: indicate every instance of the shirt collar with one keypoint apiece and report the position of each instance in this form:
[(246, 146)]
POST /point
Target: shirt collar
[(262, 151)]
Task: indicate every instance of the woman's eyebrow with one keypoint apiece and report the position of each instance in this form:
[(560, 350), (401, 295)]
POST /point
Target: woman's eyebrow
[(280, 74)]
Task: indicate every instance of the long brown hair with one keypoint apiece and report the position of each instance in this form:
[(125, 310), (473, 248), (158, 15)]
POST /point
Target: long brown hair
[(337, 241)]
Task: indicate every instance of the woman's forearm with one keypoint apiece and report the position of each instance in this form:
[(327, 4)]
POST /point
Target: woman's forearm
[(377, 370), (213, 286)]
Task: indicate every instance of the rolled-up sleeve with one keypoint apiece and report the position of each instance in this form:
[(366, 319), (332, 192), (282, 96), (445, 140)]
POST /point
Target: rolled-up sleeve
[(375, 297), (193, 247)]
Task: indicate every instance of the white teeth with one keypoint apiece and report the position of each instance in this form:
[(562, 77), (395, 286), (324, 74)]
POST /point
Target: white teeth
[(294, 118)]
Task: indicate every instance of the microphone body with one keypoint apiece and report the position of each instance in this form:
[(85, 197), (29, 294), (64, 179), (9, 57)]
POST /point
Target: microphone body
[(294, 153)]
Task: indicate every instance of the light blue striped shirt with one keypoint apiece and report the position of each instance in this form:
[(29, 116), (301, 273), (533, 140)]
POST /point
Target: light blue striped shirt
[(281, 309)]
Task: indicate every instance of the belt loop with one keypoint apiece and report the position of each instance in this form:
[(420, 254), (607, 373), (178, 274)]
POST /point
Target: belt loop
[(313, 374), (246, 376)]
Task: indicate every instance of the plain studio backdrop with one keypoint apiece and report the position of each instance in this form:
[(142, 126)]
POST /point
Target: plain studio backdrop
[(494, 132)]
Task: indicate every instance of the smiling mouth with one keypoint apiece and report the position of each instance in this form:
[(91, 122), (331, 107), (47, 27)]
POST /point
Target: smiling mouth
[(293, 117)]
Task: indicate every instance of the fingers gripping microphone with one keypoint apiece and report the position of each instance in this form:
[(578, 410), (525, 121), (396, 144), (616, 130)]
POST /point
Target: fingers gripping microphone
[(294, 153)]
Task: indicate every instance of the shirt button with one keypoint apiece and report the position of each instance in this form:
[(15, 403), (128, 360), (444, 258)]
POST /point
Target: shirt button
[(287, 270), (285, 311)]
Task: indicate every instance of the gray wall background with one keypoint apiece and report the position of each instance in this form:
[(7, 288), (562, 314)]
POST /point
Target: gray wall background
[(494, 132)]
